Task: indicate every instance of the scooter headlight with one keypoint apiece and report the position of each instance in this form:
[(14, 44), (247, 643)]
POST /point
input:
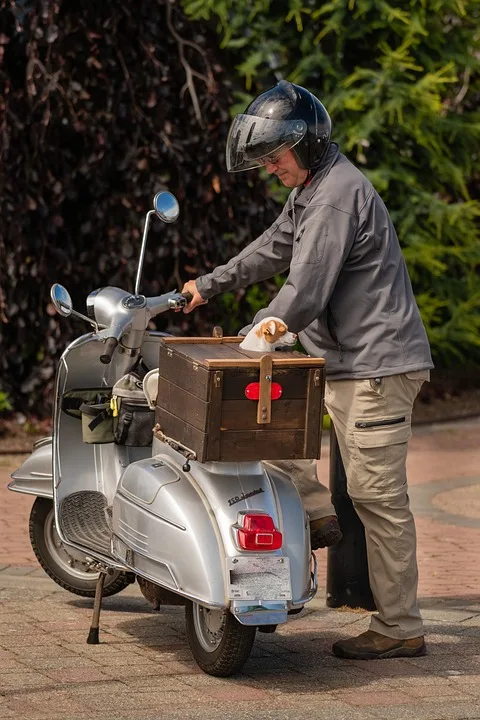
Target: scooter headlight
[(91, 303)]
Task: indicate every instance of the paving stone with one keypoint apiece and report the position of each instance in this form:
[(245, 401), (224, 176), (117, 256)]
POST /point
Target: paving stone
[(5, 712), (45, 704), (10, 664), (446, 615), (377, 698), (54, 651), (473, 621), (15, 681), (100, 690), (16, 642), (143, 700), (161, 682), (466, 679), (430, 711), (62, 663), (76, 674), (20, 570), (249, 711)]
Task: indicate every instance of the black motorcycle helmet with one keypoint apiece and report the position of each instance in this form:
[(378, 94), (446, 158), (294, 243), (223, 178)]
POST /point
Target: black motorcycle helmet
[(286, 117)]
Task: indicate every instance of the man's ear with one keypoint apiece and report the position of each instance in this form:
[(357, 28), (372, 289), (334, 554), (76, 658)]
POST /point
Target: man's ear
[(270, 328)]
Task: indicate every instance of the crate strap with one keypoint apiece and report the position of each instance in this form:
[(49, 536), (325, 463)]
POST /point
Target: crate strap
[(264, 408)]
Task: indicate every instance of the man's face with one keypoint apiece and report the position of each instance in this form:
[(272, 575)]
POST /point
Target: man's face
[(287, 170)]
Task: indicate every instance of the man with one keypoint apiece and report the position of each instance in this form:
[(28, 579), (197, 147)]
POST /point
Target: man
[(349, 297)]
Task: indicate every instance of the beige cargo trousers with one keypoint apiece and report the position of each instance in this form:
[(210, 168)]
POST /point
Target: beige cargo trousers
[(372, 420)]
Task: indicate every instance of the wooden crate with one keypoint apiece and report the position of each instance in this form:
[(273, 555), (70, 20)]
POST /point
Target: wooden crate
[(201, 400)]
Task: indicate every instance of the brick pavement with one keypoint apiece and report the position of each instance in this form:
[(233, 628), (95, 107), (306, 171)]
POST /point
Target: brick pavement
[(143, 668)]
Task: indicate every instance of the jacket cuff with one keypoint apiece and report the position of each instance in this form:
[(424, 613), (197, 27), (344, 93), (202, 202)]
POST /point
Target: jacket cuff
[(204, 286)]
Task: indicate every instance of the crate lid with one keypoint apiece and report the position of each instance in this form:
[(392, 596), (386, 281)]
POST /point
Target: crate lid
[(220, 353)]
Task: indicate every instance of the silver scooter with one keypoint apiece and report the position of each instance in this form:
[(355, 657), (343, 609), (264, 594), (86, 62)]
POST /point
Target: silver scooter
[(122, 512)]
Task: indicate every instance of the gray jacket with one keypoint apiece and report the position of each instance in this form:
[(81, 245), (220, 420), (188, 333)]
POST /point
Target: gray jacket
[(347, 293)]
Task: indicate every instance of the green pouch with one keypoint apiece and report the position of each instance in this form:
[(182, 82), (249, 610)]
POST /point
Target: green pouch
[(92, 406)]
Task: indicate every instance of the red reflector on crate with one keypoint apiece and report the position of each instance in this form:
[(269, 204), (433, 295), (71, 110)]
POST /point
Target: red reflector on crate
[(259, 533), (252, 391)]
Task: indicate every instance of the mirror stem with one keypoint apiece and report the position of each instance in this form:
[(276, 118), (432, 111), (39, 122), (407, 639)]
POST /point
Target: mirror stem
[(89, 320), (142, 251)]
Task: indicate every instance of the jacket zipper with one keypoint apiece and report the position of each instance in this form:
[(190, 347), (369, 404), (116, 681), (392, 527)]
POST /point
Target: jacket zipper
[(379, 423)]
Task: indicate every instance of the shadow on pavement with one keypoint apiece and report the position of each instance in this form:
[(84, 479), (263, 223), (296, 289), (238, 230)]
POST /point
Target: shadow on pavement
[(301, 660), (116, 603)]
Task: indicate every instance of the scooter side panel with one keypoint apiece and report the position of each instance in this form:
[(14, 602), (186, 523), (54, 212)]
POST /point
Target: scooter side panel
[(204, 505), (168, 531)]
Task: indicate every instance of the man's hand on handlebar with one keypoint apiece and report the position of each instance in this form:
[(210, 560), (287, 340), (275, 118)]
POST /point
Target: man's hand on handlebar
[(191, 287)]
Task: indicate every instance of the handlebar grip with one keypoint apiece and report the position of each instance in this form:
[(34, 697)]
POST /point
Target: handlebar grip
[(188, 297), (110, 345)]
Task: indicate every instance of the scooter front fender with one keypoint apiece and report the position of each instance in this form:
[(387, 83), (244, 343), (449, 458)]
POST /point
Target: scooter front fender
[(35, 475)]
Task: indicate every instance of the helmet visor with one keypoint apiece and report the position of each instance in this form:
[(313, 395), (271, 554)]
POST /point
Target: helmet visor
[(253, 141)]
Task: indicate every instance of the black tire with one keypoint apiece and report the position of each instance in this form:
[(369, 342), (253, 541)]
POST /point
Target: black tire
[(228, 648), (55, 558)]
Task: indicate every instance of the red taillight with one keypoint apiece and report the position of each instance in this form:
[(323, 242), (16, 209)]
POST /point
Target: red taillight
[(259, 533), (252, 391)]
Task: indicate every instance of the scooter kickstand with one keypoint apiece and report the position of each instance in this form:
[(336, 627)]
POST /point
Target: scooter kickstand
[(97, 604)]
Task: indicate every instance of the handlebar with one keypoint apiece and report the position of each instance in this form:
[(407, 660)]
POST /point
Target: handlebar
[(110, 345), (123, 313)]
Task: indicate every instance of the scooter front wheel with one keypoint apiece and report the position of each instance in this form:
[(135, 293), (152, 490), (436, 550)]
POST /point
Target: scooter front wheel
[(68, 567), (219, 643)]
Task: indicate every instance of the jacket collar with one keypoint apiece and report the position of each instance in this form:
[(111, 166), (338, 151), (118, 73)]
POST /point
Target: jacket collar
[(303, 194)]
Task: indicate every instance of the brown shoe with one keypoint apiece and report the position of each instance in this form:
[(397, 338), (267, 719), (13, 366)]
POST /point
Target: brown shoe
[(371, 645), (325, 532)]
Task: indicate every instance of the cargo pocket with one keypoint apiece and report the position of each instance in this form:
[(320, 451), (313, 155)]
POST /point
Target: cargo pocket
[(380, 433), (379, 463)]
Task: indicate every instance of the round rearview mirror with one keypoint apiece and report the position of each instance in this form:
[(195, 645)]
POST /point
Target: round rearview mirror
[(61, 299), (166, 206)]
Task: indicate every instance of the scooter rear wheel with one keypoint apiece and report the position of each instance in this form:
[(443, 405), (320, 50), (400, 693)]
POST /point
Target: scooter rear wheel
[(219, 643), (67, 567)]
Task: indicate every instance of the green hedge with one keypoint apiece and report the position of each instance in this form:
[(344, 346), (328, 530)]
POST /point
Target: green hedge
[(402, 83)]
